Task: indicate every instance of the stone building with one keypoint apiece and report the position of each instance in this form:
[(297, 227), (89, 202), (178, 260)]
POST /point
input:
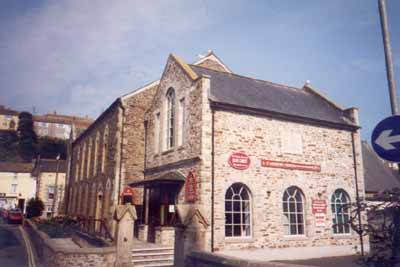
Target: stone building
[(50, 185), (221, 162), (17, 185)]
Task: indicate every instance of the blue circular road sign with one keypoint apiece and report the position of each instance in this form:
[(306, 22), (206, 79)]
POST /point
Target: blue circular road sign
[(386, 139)]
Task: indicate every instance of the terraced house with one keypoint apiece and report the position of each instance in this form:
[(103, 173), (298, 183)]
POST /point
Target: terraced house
[(220, 162)]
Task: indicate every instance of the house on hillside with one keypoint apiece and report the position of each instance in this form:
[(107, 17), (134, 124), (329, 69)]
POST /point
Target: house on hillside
[(220, 162), (17, 185), (50, 185)]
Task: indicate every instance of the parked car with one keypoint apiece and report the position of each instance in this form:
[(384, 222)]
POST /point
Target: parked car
[(14, 216), (4, 213)]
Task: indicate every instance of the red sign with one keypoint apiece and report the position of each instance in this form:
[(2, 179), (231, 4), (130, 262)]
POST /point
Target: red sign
[(127, 192), (239, 161), (290, 165), (318, 206), (127, 195), (191, 188)]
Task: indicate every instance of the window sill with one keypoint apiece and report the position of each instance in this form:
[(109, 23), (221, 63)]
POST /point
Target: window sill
[(343, 236), (295, 237), (239, 239), (167, 151)]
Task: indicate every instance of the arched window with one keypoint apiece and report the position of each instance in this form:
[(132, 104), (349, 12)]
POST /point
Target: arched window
[(237, 211), (170, 118), (95, 156), (83, 160), (340, 202), (89, 159), (293, 211), (104, 150), (77, 162)]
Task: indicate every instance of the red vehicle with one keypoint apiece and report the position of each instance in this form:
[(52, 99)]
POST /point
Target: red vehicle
[(14, 216)]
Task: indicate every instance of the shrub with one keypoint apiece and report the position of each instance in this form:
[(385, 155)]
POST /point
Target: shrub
[(34, 208)]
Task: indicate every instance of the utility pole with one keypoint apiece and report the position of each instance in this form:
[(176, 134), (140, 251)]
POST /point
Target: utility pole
[(388, 57), (55, 187)]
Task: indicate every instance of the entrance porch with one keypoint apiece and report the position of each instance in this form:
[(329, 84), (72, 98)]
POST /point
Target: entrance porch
[(160, 195)]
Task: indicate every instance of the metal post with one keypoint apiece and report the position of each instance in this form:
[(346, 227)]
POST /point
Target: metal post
[(55, 188), (388, 57)]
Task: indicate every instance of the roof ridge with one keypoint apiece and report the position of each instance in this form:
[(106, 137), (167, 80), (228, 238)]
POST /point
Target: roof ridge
[(251, 78)]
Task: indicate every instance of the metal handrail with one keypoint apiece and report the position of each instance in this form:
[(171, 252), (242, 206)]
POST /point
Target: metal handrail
[(89, 225)]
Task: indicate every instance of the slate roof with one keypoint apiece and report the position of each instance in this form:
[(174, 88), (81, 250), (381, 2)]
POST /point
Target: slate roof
[(378, 177), (50, 165), (20, 167), (262, 95)]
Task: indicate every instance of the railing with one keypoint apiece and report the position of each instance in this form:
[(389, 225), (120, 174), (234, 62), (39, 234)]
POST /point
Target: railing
[(95, 227)]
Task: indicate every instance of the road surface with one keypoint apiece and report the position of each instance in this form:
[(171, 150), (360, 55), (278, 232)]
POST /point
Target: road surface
[(15, 247)]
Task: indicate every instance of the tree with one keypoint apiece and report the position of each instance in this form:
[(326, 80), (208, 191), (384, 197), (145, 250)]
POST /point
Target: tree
[(34, 208), (27, 138)]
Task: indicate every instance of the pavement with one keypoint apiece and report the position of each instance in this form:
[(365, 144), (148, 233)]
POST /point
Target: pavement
[(344, 261), (13, 249)]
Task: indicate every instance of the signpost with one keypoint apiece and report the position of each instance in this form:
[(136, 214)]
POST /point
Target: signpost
[(386, 139)]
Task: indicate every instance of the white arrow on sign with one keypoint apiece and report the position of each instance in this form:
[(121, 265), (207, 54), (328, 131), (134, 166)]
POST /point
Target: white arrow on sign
[(385, 141)]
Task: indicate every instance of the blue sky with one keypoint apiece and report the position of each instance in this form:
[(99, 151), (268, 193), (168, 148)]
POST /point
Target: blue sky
[(77, 56)]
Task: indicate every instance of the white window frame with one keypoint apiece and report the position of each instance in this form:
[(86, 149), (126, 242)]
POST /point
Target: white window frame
[(157, 118), (181, 121), (14, 188), (337, 204), (291, 210), (243, 208), (170, 119)]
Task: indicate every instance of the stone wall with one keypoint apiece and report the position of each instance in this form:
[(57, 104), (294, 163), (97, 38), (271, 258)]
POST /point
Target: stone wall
[(51, 255), (133, 153), (264, 138)]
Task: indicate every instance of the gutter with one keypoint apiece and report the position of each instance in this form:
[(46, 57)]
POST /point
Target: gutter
[(212, 176), (121, 105), (359, 231)]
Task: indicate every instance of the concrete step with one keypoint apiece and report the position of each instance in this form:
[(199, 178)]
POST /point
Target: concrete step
[(167, 259), (150, 262), (155, 265), (152, 249), (159, 255)]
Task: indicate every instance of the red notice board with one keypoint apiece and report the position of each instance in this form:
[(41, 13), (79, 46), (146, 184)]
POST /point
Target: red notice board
[(191, 188)]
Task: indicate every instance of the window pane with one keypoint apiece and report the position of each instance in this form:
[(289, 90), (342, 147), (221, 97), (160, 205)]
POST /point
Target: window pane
[(237, 230), (228, 230), (236, 218), (228, 205), (228, 218), (301, 229), (236, 206)]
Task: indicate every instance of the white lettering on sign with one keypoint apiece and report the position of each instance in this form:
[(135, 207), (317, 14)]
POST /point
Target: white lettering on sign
[(239, 161)]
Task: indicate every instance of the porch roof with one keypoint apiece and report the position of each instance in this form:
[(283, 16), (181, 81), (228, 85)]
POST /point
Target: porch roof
[(168, 178)]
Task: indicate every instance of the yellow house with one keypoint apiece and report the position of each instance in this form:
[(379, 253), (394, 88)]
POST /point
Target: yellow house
[(17, 185), (8, 119), (50, 176)]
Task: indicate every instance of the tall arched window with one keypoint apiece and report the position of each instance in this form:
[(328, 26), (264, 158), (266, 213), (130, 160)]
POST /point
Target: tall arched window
[(83, 160), (237, 211), (77, 162), (104, 149), (293, 211), (340, 202), (89, 158), (170, 118), (95, 156)]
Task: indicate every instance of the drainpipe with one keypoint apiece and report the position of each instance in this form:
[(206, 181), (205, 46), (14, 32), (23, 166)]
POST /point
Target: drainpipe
[(121, 105), (212, 178), (357, 194)]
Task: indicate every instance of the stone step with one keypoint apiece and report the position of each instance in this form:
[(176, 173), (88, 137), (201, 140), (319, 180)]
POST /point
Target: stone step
[(151, 249), (155, 265), (153, 262), (152, 255)]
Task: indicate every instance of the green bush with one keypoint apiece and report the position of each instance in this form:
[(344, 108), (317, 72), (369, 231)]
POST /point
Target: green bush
[(34, 208)]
